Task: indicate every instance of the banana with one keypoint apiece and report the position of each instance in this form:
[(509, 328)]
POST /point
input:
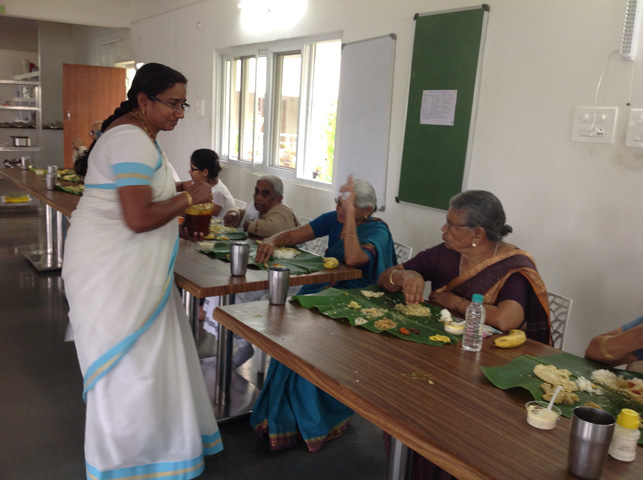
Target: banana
[(514, 339), (330, 262)]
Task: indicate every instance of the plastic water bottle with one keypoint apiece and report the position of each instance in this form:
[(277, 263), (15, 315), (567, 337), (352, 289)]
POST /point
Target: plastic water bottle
[(474, 318)]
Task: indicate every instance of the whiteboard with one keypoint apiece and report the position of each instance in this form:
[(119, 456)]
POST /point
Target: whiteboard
[(364, 113)]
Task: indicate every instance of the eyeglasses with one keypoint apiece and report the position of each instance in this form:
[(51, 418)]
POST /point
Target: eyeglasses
[(194, 169), (451, 225), (95, 133), (176, 106)]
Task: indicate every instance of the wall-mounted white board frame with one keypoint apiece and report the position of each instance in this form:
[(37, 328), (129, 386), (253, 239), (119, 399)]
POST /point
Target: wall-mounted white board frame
[(364, 113)]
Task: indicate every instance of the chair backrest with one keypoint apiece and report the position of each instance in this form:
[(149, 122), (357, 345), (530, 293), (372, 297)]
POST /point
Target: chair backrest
[(403, 252), (559, 309), (316, 246), (240, 203)]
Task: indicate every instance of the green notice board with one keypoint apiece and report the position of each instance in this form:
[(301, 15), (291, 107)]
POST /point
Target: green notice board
[(446, 56)]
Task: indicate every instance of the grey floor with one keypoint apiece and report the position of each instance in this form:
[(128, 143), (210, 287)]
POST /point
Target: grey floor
[(41, 408)]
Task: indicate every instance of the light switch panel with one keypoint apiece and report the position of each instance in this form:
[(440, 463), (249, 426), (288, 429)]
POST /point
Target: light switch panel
[(594, 124), (634, 136)]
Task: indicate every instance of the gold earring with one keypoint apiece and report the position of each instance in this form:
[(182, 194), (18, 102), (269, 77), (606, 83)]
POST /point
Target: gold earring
[(143, 111), (473, 245)]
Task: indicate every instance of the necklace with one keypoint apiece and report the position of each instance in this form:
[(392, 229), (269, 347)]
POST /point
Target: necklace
[(495, 251), (140, 119)]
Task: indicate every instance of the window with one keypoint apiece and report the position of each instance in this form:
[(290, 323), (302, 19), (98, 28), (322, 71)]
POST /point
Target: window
[(277, 107)]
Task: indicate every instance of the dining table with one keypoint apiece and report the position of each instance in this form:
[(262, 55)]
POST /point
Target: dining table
[(434, 400), (200, 276), (58, 205)]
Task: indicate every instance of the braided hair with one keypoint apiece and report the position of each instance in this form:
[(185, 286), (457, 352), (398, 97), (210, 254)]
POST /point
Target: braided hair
[(151, 79)]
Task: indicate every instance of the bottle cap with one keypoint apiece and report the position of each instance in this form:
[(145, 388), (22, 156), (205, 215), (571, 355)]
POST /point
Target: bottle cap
[(477, 298), (628, 418)]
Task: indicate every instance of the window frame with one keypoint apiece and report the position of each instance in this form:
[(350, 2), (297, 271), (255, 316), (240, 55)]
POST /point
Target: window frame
[(269, 50)]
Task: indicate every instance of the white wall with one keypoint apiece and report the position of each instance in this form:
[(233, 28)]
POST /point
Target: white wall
[(112, 13), (573, 205), (11, 62)]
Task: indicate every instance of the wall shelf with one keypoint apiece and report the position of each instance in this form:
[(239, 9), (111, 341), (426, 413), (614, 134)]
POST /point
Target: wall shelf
[(15, 91)]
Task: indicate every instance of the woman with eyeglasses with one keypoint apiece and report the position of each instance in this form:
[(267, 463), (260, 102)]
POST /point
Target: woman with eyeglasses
[(474, 258), (204, 166), (290, 408), (147, 408)]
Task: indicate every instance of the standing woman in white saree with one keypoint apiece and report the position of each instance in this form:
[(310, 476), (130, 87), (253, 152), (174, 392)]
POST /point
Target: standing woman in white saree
[(148, 412)]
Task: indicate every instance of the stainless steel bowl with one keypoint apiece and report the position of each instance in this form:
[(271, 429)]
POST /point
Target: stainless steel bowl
[(21, 141)]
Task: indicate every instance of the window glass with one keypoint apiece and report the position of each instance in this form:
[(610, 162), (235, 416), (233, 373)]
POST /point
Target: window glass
[(287, 89), (278, 107)]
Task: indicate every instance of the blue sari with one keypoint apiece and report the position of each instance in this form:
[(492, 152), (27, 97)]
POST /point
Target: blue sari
[(290, 407)]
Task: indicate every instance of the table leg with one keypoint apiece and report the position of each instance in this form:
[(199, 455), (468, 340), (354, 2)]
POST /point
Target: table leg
[(399, 461), (60, 236), (191, 304), (224, 361), (51, 257)]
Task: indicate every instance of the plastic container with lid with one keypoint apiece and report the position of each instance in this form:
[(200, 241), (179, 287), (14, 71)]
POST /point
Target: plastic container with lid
[(538, 416), (626, 436)]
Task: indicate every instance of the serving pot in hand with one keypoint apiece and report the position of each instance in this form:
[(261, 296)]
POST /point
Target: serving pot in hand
[(21, 141)]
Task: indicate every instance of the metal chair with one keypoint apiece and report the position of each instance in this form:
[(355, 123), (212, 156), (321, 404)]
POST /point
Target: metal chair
[(559, 309), (403, 252), (315, 246)]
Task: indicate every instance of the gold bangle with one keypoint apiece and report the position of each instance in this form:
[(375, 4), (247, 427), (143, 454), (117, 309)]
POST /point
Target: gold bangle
[(457, 304), (351, 235), (604, 351), (189, 198), (390, 277)]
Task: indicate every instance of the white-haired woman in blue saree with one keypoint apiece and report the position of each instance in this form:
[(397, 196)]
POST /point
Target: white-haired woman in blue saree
[(290, 407), (148, 412)]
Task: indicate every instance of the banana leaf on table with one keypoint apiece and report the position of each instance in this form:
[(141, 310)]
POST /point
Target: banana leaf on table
[(305, 262), (73, 189), (334, 303), (520, 373), (234, 236)]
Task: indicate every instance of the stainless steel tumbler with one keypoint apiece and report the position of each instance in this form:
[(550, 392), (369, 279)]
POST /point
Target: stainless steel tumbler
[(278, 282), (589, 440), (50, 179), (239, 253)]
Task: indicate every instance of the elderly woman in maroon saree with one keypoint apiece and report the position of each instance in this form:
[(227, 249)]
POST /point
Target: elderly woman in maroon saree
[(474, 259)]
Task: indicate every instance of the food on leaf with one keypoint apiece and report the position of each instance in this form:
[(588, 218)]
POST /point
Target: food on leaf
[(369, 294), (373, 312), (440, 338), (630, 387), (565, 395), (385, 324), (285, 253), (514, 339), (555, 376), (415, 310)]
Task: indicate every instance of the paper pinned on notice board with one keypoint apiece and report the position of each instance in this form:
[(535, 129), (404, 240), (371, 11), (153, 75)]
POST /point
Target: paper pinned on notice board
[(438, 107)]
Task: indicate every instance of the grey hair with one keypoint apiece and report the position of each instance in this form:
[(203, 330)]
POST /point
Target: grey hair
[(277, 184), (364, 194), (482, 209)]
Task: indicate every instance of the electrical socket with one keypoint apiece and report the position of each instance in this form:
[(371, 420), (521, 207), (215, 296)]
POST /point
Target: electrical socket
[(594, 124)]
